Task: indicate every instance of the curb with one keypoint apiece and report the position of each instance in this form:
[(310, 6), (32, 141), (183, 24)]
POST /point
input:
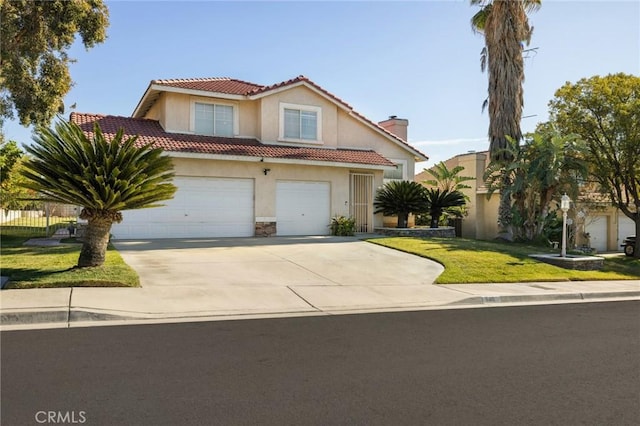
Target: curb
[(491, 300), (68, 316)]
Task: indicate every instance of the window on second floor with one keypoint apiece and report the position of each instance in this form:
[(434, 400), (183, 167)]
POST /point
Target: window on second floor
[(300, 123), (213, 119)]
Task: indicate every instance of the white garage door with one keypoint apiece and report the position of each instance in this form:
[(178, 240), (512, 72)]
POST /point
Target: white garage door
[(302, 208), (626, 228), (202, 207), (597, 228)]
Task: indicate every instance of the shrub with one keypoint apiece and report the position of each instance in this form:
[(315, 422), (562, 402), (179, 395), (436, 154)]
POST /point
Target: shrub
[(400, 198), (343, 226)]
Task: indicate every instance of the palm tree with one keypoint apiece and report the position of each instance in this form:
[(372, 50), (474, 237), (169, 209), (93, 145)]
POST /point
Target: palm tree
[(438, 201), (447, 179), (400, 197), (505, 26), (450, 179), (104, 177)]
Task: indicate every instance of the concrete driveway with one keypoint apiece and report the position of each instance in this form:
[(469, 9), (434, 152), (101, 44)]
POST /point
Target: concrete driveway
[(279, 261)]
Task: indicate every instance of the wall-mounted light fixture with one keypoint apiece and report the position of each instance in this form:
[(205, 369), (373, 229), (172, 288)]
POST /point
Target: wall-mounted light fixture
[(266, 171)]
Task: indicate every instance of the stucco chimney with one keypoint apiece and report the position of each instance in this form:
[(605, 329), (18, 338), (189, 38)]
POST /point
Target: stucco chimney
[(395, 125)]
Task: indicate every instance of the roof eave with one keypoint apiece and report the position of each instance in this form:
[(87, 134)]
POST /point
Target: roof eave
[(276, 160), (145, 103), (298, 84)]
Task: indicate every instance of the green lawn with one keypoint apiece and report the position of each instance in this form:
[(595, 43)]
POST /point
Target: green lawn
[(31, 267), (474, 261)]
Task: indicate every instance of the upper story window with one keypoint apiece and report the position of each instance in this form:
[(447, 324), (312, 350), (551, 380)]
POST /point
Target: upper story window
[(300, 123), (213, 119), (399, 173)]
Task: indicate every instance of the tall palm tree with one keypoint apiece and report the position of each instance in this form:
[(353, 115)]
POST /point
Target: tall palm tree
[(505, 26), (400, 197), (104, 177), (438, 201)]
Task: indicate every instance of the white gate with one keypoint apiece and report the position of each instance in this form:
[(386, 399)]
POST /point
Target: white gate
[(361, 208)]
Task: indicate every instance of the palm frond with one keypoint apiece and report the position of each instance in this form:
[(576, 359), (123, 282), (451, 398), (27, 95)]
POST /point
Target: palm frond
[(99, 174)]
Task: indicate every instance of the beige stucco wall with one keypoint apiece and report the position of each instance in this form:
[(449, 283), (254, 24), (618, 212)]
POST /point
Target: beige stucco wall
[(354, 134), (481, 221), (177, 110), (260, 118), (270, 114), (157, 111), (265, 185)]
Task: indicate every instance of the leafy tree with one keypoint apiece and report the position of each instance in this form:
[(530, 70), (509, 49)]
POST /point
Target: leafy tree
[(12, 195), (105, 177), (35, 37), (400, 198), (10, 153), (605, 113), (438, 201), (505, 27)]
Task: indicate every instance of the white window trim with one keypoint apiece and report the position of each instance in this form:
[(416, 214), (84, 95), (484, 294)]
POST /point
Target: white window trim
[(316, 109), (236, 119), (404, 169)]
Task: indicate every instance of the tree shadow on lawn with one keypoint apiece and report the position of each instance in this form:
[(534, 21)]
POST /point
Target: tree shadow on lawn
[(29, 274), (518, 250)]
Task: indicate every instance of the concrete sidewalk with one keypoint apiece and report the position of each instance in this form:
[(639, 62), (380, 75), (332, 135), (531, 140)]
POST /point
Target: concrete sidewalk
[(78, 307)]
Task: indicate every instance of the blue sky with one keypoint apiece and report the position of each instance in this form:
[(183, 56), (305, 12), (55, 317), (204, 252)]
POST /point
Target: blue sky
[(418, 60)]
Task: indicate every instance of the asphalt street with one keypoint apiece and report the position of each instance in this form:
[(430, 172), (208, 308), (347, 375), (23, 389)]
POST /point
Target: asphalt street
[(552, 365)]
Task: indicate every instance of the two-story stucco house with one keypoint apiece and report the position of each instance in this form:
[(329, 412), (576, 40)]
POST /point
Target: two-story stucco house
[(259, 160)]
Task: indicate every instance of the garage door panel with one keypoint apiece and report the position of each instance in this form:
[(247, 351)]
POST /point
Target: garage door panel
[(303, 207), (597, 229), (626, 227), (201, 207)]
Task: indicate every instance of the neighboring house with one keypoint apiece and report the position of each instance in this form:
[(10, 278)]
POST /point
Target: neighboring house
[(259, 160), (606, 226)]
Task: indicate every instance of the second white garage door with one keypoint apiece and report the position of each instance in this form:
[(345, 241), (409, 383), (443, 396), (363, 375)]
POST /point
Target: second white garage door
[(202, 207), (302, 208)]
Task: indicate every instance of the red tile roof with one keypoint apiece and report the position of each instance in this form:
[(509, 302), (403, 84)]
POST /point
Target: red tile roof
[(238, 87), (150, 131), (218, 85)]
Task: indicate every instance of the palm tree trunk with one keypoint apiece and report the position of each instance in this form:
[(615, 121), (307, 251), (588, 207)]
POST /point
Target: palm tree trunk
[(434, 221), (403, 219), (95, 241)]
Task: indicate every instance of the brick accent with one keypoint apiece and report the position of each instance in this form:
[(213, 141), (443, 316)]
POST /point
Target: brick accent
[(580, 263), (265, 229)]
